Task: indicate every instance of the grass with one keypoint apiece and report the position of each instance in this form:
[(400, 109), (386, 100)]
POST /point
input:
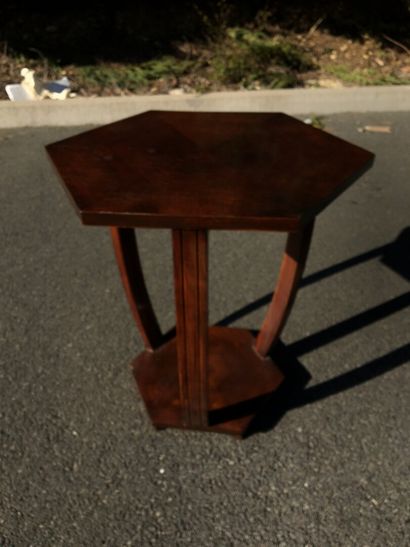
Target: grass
[(316, 121), (240, 57), (102, 76), (246, 56), (165, 67), (363, 76), (132, 77)]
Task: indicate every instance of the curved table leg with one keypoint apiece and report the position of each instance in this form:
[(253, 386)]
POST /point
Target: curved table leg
[(291, 270), (126, 252)]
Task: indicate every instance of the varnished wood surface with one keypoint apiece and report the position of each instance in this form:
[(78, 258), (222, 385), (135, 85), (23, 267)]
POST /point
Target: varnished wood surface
[(290, 274), (128, 260), (191, 292), (206, 170), (238, 383), (192, 172)]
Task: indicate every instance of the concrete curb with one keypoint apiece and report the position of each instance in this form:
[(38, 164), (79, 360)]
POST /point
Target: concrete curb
[(84, 111)]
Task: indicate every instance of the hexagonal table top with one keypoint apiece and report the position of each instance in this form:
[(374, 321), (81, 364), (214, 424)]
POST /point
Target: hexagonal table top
[(206, 170)]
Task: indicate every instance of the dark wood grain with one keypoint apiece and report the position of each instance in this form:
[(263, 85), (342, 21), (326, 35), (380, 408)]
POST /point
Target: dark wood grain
[(128, 260), (191, 291), (239, 383), (192, 172), (206, 170), (290, 274)]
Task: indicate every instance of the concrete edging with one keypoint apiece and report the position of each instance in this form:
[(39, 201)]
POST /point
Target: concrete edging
[(101, 110)]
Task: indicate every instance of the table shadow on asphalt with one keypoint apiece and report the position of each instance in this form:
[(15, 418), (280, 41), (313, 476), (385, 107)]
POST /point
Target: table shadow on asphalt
[(293, 392)]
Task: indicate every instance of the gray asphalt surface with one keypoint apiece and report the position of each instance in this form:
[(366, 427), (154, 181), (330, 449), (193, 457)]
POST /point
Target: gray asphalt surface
[(81, 465)]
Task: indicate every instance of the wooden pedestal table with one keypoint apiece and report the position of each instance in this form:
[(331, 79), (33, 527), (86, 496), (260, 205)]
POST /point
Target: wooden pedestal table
[(192, 172)]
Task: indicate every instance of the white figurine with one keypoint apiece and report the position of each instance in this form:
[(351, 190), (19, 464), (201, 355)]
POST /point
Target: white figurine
[(31, 89), (30, 84)]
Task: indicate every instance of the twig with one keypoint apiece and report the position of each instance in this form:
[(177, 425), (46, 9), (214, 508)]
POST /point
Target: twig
[(315, 26), (44, 59), (375, 129), (396, 43)]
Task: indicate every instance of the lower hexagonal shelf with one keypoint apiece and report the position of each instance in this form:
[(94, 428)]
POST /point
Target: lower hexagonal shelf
[(239, 382)]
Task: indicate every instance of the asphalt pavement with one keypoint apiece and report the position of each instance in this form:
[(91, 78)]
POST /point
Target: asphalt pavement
[(80, 463)]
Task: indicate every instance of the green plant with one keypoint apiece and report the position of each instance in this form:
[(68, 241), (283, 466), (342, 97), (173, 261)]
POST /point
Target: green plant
[(214, 22), (364, 76), (317, 121), (245, 56), (165, 67), (111, 76), (131, 77)]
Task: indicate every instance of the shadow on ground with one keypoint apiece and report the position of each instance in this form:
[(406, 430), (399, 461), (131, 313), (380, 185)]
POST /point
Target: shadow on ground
[(293, 392)]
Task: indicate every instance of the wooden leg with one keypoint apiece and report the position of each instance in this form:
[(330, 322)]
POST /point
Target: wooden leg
[(209, 379), (191, 290), (126, 252), (291, 270)]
